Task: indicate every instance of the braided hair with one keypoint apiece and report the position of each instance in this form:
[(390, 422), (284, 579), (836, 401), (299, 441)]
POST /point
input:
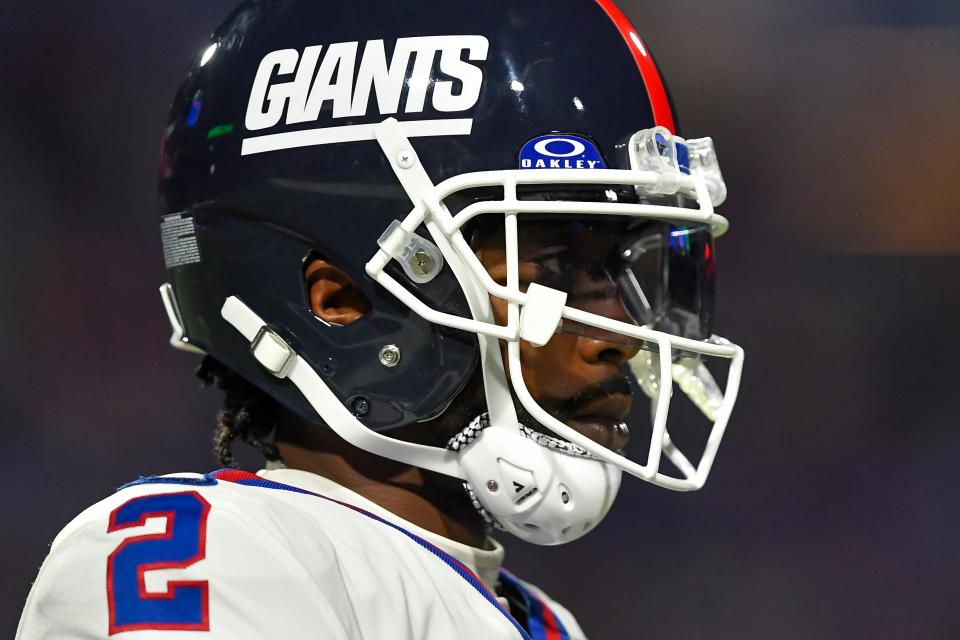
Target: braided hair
[(247, 413)]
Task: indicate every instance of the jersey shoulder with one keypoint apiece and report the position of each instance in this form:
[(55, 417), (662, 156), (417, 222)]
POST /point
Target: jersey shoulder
[(145, 558), (237, 556)]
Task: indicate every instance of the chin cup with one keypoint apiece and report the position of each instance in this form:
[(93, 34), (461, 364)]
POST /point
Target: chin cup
[(540, 494)]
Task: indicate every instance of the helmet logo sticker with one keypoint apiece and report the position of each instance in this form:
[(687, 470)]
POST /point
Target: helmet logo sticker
[(561, 151), (326, 83)]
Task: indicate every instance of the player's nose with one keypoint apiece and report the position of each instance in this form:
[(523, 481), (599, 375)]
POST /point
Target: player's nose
[(606, 347)]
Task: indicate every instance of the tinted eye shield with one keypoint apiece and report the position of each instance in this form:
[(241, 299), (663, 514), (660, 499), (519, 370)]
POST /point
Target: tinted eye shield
[(651, 274)]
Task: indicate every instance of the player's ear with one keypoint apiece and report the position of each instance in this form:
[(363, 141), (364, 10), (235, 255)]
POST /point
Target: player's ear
[(334, 296)]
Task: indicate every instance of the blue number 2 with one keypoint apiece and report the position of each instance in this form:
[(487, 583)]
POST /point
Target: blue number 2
[(184, 605)]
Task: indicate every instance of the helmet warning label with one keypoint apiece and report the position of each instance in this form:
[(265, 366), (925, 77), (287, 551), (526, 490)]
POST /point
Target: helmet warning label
[(179, 236)]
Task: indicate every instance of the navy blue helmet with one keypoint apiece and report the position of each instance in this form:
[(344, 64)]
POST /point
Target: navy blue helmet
[(307, 129), (257, 216)]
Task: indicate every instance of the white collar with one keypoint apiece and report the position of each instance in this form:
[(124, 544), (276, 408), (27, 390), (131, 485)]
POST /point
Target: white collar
[(485, 563)]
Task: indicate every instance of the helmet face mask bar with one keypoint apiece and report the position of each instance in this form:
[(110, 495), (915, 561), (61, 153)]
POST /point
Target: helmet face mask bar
[(564, 481), (535, 314), (660, 275)]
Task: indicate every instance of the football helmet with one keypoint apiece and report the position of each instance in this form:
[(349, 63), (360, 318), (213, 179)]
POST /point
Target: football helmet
[(377, 135)]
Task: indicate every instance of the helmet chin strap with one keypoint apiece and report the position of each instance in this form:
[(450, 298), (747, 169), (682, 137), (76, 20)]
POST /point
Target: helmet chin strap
[(276, 356), (460, 442), (535, 486), (542, 493)]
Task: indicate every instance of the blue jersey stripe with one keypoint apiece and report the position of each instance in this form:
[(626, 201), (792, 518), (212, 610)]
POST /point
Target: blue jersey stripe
[(536, 618)]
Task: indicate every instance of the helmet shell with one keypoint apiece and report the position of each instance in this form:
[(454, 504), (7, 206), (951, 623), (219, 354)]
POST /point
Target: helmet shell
[(257, 219)]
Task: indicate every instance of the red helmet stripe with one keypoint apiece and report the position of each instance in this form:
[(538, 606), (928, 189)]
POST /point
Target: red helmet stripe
[(662, 114)]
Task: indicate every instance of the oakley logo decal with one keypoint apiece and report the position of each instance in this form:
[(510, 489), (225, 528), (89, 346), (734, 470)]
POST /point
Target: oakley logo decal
[(573, 147), (561, 152), (430, 73)]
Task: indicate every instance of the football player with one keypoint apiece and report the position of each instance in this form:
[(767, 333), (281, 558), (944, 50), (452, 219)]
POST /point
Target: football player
[(421, 246)]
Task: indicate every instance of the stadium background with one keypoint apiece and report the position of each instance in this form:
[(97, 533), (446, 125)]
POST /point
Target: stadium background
[(832, 511)]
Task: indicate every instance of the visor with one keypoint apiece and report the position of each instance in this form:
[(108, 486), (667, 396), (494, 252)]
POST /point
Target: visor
[(649, 273)]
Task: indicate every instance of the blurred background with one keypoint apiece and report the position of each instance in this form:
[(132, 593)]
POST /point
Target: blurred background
[(832, 511)]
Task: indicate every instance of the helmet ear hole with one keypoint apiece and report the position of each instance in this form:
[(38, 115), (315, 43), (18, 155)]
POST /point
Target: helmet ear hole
[(333, 296)]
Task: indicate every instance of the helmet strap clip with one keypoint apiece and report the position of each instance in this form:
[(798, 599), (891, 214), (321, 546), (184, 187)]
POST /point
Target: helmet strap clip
[(272, 352)]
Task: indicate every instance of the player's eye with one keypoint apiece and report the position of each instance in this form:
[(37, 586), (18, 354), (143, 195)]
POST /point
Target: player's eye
[(548, 268)]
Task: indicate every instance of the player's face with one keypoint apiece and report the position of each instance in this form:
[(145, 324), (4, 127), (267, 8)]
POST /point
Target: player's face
[(577, 378), (577, 375)]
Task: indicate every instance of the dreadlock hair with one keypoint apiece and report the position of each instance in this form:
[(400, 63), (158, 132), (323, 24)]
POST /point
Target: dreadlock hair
[(247, 413)]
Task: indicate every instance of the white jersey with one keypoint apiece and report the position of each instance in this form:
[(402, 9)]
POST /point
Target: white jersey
[(238, 556)]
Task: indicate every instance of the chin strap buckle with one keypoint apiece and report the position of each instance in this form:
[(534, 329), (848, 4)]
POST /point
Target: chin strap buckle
[(272, 352), (267, 348)]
